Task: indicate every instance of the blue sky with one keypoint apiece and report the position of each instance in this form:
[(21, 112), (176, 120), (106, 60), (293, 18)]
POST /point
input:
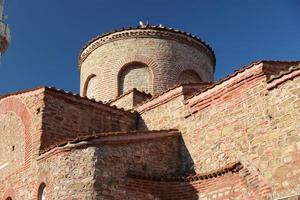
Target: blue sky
[(47, 35)]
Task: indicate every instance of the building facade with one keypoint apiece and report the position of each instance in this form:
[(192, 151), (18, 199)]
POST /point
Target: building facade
[(150, 123)]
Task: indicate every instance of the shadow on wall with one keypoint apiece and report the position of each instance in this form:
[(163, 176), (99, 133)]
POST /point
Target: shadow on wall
[(185, 158), (167, 186)]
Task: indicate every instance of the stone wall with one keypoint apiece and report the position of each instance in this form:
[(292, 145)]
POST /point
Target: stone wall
[(67, 117), (238, 119), (95, 168), (130, 99), (20, 128), (67, 174), (155, 157), (137, 76), (166, 59)]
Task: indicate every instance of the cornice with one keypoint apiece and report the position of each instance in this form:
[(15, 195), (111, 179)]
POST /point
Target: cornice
[(146, 32)]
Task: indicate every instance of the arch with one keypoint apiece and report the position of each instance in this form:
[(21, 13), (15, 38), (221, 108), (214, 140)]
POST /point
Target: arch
[(9, 194), (189, 76), (138, 59), (135, 75), (42, 184), (13, 104), (42, 192), (86, 84)]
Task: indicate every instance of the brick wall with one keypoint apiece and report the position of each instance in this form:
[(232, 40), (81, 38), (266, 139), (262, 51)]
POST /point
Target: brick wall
[(33, 121), (20, 125), (68, 116), (136, 76), (67, 174), (130, 99), (239, 118), (95, 168), (156, 157), (166, 58), (189, 76)]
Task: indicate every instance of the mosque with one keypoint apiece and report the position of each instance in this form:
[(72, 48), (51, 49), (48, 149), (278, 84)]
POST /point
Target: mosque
[(150, 123)]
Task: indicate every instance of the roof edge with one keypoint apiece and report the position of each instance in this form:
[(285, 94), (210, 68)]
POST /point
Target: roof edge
[(150, 27)]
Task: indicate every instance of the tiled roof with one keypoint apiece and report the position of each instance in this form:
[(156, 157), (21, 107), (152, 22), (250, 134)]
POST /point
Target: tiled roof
[(285, 72), (67, 93), (174, 87), (128, 92), (236, 72), (95, 136), (229, 168), (151, 27)]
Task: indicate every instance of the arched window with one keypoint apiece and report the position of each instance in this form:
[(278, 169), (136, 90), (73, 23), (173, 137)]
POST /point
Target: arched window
[(42, 192), (8, 198), (90, 86), (135, 75), (189, 76)]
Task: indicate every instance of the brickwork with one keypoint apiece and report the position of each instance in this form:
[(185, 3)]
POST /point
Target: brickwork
[(91, 85), (165, 57), (237, 119), (130, 99), (237, 138), (136, 76), (12, 143), (189, 76), (97, 169), (157, 157), (68, 116)]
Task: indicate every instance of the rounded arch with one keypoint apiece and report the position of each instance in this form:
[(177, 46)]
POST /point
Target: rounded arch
[(86, 84), (9, 194), (15, 105), (138, 58), (153, 66), (42, 192), (135, 74), (43, 185), (189, 76)]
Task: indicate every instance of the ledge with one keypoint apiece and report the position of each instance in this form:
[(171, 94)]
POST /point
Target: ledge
[(111, 138)]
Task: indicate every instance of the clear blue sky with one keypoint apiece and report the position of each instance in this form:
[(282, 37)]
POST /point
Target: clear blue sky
[(47, 35)]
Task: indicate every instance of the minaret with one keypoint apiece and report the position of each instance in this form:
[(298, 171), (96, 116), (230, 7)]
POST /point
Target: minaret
[(4, 31)]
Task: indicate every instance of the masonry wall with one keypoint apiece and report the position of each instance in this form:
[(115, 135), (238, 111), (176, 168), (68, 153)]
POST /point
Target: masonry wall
[(135, 76), (228, 186), (165, 58), (33, 121), (94, 170), (67, 174), (114, 162), (20, 127), (130, 99), (66, 117), (238, 119)]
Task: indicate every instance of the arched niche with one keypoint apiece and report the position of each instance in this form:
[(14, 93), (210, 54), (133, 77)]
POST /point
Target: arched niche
[(135, 75), (189, 76), (42, 192), (90, 86)]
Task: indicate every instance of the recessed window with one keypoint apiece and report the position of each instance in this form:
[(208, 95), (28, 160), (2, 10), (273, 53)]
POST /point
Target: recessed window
[(91, 86), (42, 193), (135, 75), (189, 76)]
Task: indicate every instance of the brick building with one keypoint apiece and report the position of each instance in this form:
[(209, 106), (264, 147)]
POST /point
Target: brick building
[(150, 123)]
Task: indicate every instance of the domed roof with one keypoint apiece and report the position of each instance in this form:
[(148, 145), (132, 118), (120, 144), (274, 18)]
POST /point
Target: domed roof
[(146, 29)]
